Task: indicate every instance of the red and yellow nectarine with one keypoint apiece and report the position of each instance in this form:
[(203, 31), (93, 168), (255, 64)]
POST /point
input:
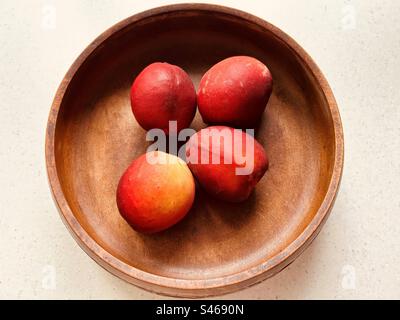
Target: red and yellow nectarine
[(155, 192)]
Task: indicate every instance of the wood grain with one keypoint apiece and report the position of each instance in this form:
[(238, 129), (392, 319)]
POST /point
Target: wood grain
[(219, 248)]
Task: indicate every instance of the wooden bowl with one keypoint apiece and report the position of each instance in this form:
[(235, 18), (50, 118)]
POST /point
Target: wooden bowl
[(218, 248)]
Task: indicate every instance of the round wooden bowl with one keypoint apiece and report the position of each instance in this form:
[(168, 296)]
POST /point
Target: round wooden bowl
[(218, 248)]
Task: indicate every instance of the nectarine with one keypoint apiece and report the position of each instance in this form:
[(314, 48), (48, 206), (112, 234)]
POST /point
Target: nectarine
[(161, 93), (155, 192), (235, 92), (227, 162)]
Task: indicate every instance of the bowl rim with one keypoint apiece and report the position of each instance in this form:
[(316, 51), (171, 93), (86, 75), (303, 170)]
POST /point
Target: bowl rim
[(194, 287)]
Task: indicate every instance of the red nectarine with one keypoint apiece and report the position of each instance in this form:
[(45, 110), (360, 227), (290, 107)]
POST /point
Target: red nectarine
[(161, 93), (227, 162), (235, 92)]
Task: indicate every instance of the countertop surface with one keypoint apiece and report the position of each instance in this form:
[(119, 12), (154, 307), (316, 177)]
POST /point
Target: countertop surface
[(355, 43)]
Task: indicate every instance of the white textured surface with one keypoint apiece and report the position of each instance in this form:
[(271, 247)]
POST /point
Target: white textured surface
[(357, 46)]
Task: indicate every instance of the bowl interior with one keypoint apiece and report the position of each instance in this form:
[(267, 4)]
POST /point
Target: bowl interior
[(96, 138)]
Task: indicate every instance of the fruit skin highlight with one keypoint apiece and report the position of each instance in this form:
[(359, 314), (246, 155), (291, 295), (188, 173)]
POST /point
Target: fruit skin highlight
[(163, 92), (235, 92), (152, 197), (221, 180)]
